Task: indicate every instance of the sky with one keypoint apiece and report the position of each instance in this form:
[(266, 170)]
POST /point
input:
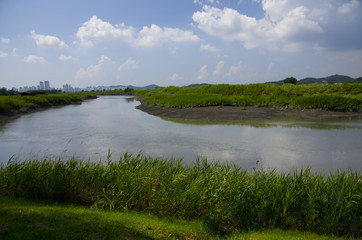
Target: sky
[(177, 42)]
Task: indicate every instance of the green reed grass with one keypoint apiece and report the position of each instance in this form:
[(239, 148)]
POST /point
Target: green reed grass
[(15, 104), (225, 197), (337, 97)]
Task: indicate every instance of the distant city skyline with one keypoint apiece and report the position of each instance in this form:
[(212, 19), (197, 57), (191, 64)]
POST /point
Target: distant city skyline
[(45, 85)]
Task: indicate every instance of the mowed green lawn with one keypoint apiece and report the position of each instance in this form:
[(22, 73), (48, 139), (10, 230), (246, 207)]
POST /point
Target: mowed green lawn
[(23, 219)]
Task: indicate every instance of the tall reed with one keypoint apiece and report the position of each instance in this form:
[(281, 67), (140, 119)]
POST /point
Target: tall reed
[(226, 197)]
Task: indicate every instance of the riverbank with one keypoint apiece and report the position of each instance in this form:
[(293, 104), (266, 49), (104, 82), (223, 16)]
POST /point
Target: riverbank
[(25, 219), (248, 113), (254, 102), (13, 106)]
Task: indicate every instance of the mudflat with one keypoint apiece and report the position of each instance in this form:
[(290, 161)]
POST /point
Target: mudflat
[(250, 113)]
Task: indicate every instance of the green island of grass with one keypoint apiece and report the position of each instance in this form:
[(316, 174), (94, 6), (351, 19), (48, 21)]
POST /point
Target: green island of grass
[(336, 97), (150, 198)]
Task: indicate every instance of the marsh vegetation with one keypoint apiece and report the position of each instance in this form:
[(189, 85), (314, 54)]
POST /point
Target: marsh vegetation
[(20, 104), (337, 97), (226, 198)]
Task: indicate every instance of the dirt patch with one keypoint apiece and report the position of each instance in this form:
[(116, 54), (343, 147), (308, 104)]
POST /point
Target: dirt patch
[(229, 113)]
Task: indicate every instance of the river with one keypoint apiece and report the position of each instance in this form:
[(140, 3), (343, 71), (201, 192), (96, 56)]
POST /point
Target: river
[(88, 130)]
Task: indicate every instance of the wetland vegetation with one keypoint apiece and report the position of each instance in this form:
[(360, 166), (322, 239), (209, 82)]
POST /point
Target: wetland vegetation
[(224, 197), (20, 104), (336, 97)]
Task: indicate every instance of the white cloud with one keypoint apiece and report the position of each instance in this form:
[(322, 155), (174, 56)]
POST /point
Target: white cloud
[(3, 54), (201, 2), (14, 52), (208, 48), (235, 69), (283, 23), (270, 69), (93, 71), (48, 41), (5, 40), (130, 64), (295, 23), (218, 67), (348, 7), (63, 57), (175, 77), (275, 10), (97, 29), (203, 72), (157, 36), (34, 59)]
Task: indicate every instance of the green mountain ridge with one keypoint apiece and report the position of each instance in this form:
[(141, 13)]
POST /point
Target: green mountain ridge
[(325, 80)]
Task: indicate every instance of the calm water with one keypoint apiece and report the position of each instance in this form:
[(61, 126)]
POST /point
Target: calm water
[(88, 130)]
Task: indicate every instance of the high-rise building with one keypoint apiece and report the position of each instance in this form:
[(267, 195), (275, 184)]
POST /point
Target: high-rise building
[(68, 88), (47, 85), (41, 86)]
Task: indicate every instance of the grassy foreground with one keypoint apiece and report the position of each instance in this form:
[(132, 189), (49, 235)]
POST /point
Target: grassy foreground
[(225, 198), (338, 97), (20, 219), (18, 104)]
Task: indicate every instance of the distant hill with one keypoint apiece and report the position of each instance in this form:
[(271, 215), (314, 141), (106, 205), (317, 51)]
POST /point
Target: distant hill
[(196, 85), (152, 86), (326, 80)]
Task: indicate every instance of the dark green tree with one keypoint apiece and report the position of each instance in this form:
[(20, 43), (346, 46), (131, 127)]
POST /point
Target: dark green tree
[(128, 91), (290, 80), (5, 92)]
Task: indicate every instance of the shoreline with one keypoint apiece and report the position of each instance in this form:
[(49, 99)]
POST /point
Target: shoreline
[(249, 113), (6, 116)]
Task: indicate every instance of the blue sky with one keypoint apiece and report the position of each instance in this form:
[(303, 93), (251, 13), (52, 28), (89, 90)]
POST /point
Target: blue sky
[(179, 42)]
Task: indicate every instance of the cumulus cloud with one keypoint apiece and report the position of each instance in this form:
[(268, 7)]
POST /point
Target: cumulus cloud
[(202, 72), (157, 36), (235, 69), (63, 57), (287, 25), (218, 67), (93, 71), (34, 59), (201, 2), (5, 40), (175, 77), (3, 54), (348, 7), (208, 48), (230, 25), (14, 52), (97, 29), (48, 41), (130, 64), (270, 68)]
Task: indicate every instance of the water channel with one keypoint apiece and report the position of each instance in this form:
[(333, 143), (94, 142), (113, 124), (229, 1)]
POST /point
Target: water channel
[(88, 130)]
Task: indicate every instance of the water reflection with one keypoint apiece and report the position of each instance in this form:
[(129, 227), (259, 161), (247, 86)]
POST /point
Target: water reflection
[(130, 99), (355, 123), (112, 122)]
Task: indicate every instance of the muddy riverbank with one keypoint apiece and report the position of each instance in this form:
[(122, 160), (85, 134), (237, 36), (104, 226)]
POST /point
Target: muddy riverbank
[(250, 113)]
